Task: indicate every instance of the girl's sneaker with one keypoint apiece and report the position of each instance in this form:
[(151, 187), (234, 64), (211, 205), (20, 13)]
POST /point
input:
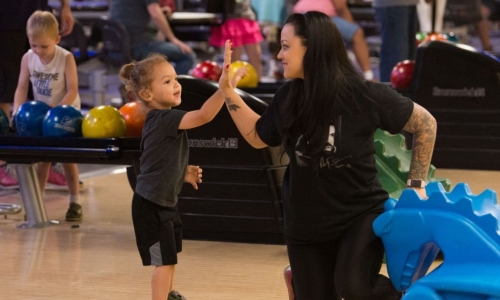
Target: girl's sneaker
[(175, 295), (8, 178)]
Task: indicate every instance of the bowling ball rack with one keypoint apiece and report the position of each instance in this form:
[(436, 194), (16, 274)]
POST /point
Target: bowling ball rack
[(24, 152)]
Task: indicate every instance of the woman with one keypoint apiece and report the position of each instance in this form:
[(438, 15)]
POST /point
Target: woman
[(324, 119)]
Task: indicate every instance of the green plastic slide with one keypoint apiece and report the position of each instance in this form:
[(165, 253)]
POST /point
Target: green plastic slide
[(393, 163)]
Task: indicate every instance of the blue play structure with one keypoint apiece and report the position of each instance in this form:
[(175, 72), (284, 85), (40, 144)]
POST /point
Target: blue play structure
[(464, 226)]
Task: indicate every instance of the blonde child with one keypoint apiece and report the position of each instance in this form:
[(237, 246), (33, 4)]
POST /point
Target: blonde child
[(52, 73), (164, 165)]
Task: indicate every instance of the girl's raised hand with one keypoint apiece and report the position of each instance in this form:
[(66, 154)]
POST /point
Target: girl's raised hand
[(225, 78)]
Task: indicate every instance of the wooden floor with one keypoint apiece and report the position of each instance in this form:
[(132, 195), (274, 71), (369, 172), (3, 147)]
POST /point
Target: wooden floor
[(99, 259)]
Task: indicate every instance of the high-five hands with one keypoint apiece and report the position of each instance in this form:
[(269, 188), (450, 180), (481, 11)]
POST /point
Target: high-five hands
[(228, 80)]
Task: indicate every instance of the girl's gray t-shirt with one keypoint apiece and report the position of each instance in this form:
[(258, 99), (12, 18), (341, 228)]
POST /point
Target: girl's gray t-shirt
[(164, 157)]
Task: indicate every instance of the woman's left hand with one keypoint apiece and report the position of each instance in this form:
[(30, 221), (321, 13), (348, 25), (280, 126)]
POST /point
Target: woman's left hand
[(193, 175), (422, 193)]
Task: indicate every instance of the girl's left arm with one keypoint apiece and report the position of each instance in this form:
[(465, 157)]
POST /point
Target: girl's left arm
[(71, 76), (423, 126)]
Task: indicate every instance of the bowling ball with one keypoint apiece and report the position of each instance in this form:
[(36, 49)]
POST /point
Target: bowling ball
[(251, 80), (4, 123), (402, 74), (288, 281), (134, 114), (434, 37), (63, 121), (419, 37), (103, 121), (29, 118), (207, 70), (452, 37)]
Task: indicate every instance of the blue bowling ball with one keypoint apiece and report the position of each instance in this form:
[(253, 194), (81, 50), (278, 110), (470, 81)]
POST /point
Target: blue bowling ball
[(29, 118), (63, 121), (4, 123), (452, 37)]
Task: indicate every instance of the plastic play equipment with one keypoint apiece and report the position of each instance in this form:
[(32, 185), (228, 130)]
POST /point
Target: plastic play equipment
[(393, 160), (462, 225)]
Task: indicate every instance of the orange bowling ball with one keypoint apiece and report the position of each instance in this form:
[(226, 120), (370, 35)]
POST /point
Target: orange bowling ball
[(250, 80), (435, 37), (134, 114), (103, 121)]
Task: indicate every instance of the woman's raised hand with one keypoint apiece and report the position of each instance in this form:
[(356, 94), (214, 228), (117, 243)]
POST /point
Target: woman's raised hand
[(228, 80)]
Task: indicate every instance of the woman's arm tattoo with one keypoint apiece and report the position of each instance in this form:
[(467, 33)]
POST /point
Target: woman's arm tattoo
[(423, 125), (230, 104)]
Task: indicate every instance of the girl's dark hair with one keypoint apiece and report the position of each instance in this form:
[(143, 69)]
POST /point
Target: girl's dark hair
[(327, 86)]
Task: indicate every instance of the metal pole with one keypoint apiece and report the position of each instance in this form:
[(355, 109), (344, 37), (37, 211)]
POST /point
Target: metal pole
[(32, 197)]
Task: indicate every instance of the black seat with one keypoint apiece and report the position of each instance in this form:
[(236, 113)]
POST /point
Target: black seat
[(195, 27), (116, 43), (76, 42), (462, 12)]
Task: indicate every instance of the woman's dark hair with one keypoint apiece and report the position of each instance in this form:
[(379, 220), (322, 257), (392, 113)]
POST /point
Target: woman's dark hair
[(312, 102)]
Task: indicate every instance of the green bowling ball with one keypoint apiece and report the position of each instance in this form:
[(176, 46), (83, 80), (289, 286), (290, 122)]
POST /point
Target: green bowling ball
[(420, 37), (452, 37)]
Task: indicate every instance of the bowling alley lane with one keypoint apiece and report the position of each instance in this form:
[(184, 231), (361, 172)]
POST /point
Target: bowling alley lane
[(99, 260)]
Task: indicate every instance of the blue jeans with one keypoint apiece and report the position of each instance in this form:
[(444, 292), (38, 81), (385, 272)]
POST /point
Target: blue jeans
[(182, 62), (398, 27)]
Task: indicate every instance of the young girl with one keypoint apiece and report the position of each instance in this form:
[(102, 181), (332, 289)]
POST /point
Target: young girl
[(164, 164), (52, 72), (243, 30)]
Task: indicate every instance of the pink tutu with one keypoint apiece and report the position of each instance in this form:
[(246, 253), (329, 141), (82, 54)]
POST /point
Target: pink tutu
[(239, 31)]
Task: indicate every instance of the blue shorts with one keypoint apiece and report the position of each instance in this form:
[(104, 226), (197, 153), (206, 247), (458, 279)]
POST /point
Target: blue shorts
[(346, 28)]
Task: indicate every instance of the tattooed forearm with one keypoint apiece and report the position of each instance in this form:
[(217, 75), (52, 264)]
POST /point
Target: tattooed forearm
[(423, 126), (230, 104)]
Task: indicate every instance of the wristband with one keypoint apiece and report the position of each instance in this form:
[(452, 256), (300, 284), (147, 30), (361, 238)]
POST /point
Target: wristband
[(368, 75), (415, 183)]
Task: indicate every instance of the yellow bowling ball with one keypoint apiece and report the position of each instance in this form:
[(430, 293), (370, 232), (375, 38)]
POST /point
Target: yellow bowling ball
[(103, 121), (251, 80)]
